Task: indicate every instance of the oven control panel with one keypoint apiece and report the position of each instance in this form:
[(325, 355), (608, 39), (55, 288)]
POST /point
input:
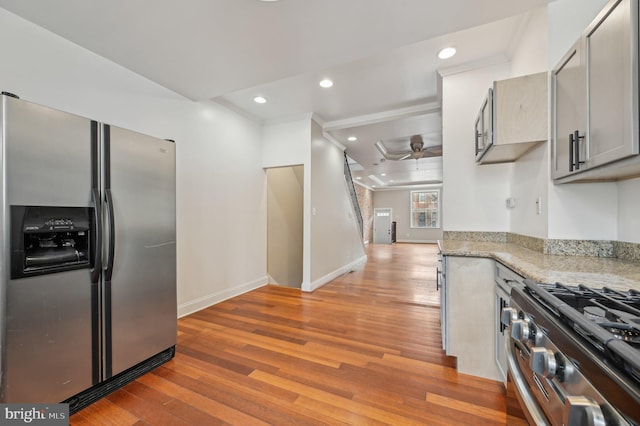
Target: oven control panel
[(561, 391)]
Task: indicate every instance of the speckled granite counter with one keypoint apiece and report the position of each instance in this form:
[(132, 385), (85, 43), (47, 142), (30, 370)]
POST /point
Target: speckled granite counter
[(571, 270)]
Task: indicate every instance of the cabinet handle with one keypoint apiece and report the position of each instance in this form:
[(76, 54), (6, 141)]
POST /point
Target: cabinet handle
[(503, 304), (438, 279), (576, 141), (571, 151), (574, 151)]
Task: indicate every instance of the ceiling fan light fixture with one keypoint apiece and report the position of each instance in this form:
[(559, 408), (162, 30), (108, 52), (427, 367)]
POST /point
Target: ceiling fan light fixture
[(260, 100), (447, 52), (325, 83)]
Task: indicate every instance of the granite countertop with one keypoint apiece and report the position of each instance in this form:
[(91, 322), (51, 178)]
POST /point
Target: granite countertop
[(570, 270)]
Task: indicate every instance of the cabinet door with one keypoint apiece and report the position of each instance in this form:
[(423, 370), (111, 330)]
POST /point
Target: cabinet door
[(568, 110), (487, 120), (470, 289), (520, 109), (478, 129), (484, 124), (501, 302), (611, 60), (442, 287)]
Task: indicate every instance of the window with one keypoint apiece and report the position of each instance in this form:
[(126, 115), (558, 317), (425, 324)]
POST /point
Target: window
[(425, 206)]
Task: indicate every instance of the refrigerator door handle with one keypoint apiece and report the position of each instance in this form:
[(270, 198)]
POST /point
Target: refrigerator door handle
[(112, 235), (97, 242)]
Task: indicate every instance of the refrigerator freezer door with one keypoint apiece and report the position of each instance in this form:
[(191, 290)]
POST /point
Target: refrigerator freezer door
[(143, 310), (48, 351), (48, 156)]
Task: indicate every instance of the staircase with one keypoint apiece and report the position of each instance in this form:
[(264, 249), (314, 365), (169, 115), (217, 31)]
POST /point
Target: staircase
[(352, 193)]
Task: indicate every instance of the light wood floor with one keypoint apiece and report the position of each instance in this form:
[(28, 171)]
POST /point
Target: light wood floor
[(363, 349)]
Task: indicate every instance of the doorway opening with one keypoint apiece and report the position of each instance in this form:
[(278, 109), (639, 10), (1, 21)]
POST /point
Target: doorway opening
[(285, 231)]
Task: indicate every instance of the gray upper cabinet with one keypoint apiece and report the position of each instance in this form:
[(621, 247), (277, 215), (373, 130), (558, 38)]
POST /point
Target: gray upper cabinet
[(594, 93), (569, 111), (512, 119)]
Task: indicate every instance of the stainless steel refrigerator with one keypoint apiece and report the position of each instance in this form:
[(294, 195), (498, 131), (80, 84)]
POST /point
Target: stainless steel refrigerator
[(88, 290)]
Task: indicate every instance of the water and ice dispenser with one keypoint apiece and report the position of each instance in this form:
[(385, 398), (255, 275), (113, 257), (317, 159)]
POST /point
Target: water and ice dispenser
[(49, 239)]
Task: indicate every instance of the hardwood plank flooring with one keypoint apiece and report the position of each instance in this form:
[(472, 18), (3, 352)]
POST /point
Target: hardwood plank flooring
[(363, 349)]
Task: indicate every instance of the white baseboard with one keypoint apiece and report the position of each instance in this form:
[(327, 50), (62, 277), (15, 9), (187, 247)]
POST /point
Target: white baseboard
[(211, 299), (336, 273)]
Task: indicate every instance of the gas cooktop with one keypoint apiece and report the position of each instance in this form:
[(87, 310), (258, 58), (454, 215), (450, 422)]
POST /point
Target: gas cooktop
[(607, 319)]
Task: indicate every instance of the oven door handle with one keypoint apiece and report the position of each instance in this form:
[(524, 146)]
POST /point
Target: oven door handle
[(532, 410)]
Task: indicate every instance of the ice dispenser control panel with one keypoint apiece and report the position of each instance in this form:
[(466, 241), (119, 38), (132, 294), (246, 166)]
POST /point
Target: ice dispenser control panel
[(47, 239)]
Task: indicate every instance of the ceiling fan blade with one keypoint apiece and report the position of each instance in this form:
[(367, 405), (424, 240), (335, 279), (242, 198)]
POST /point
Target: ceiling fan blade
[(433, 151), (401, 155)]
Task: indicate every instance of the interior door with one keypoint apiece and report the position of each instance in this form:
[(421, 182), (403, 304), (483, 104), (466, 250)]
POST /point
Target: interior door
[(382, 226), (140, 191)]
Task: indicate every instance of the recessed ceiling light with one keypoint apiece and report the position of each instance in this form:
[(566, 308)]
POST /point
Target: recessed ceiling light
[(326, 83), (447, 53), (358, 177), (260, 99), (383, 174), (352, 139)]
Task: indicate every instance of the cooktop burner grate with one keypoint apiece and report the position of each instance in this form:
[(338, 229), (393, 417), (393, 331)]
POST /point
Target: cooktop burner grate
[(609, 320)]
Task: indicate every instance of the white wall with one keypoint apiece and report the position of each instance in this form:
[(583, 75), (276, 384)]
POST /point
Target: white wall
[(336, 244), (221, 207), (629, 211), (474, 197), (530, 181), (400, 202), (331, 240), (530, 174), (481, 206), (570, 211), (529, 50), (286, 143)]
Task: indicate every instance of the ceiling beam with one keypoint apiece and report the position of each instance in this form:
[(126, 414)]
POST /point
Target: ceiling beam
[(381, 117)]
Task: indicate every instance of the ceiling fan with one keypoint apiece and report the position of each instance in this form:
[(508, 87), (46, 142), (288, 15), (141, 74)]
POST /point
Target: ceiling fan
[(417, 150)]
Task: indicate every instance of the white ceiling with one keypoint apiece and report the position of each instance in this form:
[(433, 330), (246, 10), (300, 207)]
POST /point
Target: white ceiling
[(381, 55)]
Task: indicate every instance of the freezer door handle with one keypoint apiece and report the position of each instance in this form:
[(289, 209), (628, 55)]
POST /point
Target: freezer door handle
[(97, 241), (112, 235)]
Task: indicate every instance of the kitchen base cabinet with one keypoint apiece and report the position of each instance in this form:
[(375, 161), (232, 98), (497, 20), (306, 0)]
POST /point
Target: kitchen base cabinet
[(469, 315), (441, 285), (505, 279)]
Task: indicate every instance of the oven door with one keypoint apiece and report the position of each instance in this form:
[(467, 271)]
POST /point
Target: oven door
[(517, 386)]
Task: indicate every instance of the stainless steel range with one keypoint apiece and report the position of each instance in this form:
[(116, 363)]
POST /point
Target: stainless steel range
[(574, 354)]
